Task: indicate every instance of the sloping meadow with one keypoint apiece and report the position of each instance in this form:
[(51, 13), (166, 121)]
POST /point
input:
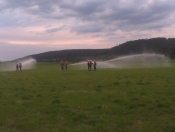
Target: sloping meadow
[(123, 100)]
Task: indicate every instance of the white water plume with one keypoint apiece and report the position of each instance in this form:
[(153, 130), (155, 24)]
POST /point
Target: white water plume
[(28, 63), (131, 61)]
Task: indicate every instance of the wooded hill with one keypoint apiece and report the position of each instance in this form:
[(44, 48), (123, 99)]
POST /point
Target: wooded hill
[(154, 45)]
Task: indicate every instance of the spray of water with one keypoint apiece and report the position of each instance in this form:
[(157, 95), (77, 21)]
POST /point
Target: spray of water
[(28, 63), (131, 61)]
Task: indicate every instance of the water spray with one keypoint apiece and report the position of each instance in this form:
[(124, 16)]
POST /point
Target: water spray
[(131, 61), (28, 63)]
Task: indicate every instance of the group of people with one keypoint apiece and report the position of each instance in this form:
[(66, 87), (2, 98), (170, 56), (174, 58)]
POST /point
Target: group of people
[(90, 63), (63, 65), (19, 67)]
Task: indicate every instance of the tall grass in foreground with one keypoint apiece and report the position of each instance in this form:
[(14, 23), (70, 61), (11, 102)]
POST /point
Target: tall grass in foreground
[(120, 100)]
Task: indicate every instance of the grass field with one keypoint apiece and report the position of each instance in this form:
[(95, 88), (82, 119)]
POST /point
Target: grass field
[(45, 99)]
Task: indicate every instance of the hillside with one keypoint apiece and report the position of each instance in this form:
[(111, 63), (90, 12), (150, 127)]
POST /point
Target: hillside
[(71, 55), (154, 45)]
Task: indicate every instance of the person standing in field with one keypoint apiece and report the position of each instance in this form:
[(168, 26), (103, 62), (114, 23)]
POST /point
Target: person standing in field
[(65, 64), (20, 66), (95, 65), (16, 67), (62, 65), (88, 64)]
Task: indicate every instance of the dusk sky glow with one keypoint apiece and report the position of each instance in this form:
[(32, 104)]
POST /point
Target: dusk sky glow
[(36, 26)]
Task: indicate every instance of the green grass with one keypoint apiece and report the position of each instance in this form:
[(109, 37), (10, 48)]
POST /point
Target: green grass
[(45, 99)]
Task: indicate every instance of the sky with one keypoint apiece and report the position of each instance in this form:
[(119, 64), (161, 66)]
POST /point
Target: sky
[(34, 26)]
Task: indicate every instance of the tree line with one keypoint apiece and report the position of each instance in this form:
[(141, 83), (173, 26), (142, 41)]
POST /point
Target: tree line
[(153, 45)]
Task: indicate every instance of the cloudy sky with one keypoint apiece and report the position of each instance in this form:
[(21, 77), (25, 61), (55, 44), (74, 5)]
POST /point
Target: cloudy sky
[(35, 26)]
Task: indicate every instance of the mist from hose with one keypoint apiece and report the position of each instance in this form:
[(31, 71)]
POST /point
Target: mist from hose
[(131, 61), (28, 63)]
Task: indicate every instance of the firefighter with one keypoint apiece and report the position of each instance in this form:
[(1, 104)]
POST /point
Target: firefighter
[(20, 66), (90, 65), (95, 64), (17, 67), (62, 65), (65, 64)]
